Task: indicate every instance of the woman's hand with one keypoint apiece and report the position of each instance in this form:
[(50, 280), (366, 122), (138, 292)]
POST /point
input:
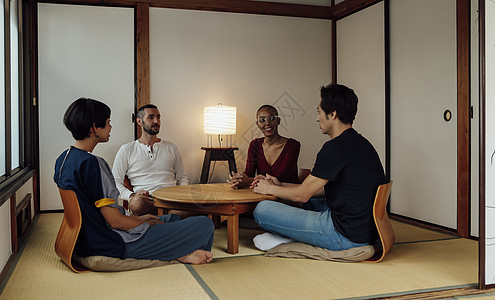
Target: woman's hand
[(238, 180), (150, 219)]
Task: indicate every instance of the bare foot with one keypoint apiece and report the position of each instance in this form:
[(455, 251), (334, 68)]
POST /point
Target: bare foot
[(198, 257)]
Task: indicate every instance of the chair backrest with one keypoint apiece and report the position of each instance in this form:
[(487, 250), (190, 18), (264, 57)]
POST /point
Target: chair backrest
[(69, 230), (383, 225)]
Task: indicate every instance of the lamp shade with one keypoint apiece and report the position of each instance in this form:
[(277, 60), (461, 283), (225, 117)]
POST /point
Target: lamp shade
[(220, 120)]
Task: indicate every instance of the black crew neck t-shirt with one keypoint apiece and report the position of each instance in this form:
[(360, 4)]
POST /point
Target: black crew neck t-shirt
[(353, 169)]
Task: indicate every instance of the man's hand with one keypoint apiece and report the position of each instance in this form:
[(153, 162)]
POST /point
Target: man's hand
[(151, 219), (145, 193), (269, 177), (263, 186)]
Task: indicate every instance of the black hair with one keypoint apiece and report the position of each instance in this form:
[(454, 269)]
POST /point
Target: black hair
[(339, 98), (140, 113), (267, 106), (82, 114)]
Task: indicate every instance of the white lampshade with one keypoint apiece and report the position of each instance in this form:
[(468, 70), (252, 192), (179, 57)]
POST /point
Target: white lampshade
[(220, 120)]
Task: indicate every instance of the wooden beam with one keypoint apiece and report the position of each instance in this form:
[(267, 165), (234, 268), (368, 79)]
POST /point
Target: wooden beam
[(117, 3), (348, 7), (249, 7), (142, 44), (482, 152), (463, 119), (234, 6)]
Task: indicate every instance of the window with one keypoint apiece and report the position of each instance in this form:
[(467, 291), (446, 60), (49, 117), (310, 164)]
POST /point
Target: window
[(12, 108), (14, 87)]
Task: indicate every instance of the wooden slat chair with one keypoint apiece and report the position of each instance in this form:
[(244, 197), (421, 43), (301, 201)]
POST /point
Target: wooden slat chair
[(383, 225), (69, 230)]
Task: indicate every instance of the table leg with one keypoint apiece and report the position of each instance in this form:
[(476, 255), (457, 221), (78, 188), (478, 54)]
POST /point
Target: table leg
[(217, 221), (233, 234)]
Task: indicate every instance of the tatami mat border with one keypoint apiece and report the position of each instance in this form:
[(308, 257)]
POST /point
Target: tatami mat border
[(201, 282), (377, 296), (425, 241)]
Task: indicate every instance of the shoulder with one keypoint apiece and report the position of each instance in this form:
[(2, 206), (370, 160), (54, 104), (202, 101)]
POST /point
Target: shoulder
[(167, 144), (256, 142), (128, 147), (293, 142)]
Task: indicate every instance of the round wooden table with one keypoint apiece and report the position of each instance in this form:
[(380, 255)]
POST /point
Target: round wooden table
[(215, 199)]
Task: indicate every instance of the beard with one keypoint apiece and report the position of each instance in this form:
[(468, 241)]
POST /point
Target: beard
[(150, 130)]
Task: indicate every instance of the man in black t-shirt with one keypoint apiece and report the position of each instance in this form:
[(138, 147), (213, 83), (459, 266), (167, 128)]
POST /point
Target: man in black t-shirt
[(347, 172)]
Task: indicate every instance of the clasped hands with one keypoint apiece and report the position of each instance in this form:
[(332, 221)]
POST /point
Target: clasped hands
[(260, 184)]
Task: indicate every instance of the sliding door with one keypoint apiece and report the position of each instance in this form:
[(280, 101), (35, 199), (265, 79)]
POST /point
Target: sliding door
[(423, 110)]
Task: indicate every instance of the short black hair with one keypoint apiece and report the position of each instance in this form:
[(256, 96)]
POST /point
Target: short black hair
[(82, 114), (267, 106), (140, 112), (339, 98)]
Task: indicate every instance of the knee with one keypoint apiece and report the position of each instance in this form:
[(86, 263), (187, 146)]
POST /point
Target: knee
[(262, 210), (141, 206), (205, 224)]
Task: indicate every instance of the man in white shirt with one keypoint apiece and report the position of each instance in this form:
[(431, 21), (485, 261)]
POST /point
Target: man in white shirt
[(150, 163)]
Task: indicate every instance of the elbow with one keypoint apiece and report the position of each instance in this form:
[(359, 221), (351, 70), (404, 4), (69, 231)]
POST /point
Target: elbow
[(302, 197), (113, 223)]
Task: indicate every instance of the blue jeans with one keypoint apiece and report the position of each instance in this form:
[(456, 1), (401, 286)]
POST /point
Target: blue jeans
[(304, 225)]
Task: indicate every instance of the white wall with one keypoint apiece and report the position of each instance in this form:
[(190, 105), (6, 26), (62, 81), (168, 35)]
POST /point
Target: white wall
[(361, 66), (198, 59), (83, 52), (490, 142)]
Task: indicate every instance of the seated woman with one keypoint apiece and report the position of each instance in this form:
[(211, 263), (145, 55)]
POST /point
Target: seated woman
[(272, 154), (106, 230)]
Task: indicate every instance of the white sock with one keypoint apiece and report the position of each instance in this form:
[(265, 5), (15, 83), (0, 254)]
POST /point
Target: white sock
[(267, 241)]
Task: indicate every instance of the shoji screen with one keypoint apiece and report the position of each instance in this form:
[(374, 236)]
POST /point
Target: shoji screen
[(83, 52)]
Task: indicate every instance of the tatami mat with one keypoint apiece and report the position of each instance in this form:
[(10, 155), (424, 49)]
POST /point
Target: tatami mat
[(439, 261), (39, 274), (408, 267), (406, 233), (246, 246)]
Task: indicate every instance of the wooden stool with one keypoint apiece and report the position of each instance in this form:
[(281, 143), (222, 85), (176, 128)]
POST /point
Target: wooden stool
[(217, 154)]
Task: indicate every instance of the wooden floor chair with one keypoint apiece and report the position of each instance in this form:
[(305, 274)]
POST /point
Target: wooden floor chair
[(383, 225), (69, 230)]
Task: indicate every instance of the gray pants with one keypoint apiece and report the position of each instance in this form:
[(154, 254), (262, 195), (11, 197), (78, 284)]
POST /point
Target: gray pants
[(173, 239)]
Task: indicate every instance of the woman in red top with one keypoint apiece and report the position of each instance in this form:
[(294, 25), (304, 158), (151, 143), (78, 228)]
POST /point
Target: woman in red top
[(272, 154)]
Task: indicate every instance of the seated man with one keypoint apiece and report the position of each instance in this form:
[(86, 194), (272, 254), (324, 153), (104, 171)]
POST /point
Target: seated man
[(150, 163), (349, 170)]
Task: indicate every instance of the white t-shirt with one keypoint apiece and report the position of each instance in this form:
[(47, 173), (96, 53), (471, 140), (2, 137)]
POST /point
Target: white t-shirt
[(147, 169)]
